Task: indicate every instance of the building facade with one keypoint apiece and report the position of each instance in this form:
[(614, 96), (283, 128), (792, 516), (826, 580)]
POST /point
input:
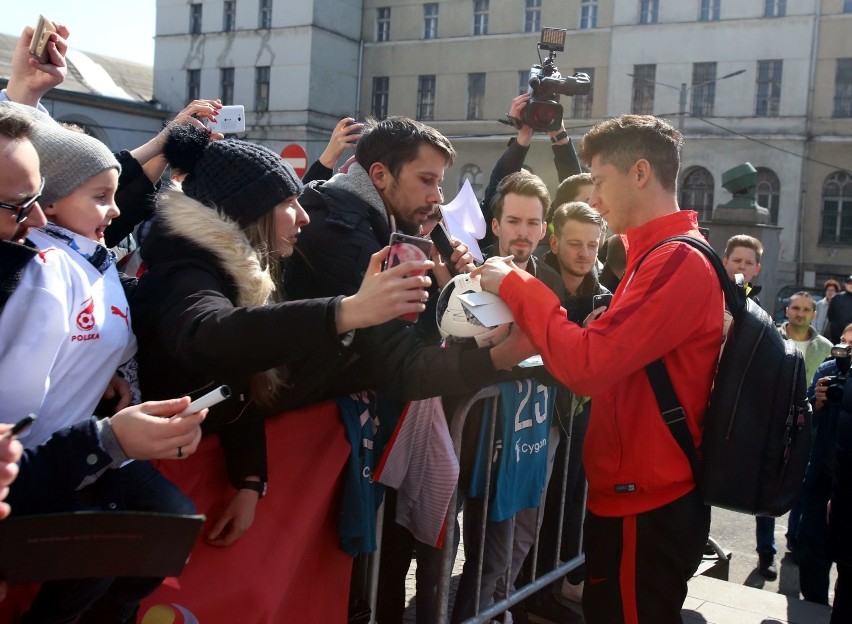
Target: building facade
[(763, 81)]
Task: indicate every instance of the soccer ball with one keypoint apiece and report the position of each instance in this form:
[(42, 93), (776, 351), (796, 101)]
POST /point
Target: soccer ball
[(458, 324)]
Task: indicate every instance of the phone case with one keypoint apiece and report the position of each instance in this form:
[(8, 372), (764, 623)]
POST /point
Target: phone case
[(403, 249), (41, 35)]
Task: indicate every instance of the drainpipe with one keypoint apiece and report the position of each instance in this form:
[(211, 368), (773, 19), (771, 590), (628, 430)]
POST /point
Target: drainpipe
[(809, 111)]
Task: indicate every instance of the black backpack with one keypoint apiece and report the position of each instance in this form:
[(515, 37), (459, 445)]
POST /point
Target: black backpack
[(757, 427)]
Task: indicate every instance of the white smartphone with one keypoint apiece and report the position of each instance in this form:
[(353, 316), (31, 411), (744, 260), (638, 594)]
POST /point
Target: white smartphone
[(229, 120)]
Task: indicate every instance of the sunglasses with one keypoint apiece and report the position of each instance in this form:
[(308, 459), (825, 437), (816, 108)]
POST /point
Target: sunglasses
[(24, 210)]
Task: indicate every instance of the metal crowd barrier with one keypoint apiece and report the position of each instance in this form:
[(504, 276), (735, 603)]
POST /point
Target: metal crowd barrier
[(457, 424)]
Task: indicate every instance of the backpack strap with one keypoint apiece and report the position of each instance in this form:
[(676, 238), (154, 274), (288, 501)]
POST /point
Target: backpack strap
[(670, 407)]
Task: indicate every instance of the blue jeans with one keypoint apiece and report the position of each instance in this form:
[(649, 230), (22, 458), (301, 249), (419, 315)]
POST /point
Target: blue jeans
[(137, 486), (765, 535)]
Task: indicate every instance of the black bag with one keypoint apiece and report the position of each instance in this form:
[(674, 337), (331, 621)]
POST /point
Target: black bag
[(757, 427)]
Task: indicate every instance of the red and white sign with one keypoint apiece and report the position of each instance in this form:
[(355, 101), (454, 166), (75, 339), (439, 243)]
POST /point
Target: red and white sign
[(296, 155)]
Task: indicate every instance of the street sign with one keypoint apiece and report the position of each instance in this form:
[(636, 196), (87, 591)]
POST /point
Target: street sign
[(296, 155)]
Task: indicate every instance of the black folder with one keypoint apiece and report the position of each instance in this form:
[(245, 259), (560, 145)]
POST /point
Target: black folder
[(95, 544)]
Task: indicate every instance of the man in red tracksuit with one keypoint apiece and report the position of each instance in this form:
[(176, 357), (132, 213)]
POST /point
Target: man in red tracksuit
[(646, 525)]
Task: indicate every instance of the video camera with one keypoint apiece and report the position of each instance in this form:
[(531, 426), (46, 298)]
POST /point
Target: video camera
[(543, 113), (842, 355)]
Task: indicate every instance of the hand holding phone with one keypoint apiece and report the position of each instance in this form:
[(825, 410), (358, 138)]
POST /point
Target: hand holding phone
[(599, 301), (229, 120), (403, 249), (38, 46), (443, 243)]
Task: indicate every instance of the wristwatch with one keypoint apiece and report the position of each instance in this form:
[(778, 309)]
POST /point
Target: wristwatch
[(559, 137), (256, 486)]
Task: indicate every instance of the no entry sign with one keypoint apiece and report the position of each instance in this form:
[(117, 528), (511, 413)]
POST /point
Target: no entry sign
[(296, 155)]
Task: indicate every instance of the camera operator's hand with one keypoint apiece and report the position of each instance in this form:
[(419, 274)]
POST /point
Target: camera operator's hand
[(554, 133), (525, 133), (819, 393), (30, 79)]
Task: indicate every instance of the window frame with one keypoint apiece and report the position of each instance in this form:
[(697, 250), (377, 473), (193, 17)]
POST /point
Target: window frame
[(261, 98), (842, 102), (842, 210), (193, 84), (475, 100), (768, 88), (709, 10), (383, 24), (644, 88), (704, 192), (430, 20), (649, 11), (588, 15), (379, 97), (480, 17), (226, 85), (196, 13), (703, 100), (532, 16), (426, 88), (229, 16), (264, 14)]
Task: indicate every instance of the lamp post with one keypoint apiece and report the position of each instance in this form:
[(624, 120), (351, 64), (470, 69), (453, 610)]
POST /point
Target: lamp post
[(684, 90)]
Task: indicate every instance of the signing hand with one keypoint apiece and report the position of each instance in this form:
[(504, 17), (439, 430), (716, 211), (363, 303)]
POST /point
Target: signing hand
[(493, 272)]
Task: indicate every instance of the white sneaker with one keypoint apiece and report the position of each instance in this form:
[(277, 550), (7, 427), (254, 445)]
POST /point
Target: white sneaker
[(572, 592)]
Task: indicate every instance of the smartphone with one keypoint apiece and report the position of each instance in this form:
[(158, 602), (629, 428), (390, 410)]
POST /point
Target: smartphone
[(38, 46), (229, 120), (601, 300), (404, 248), (352, 123), (441, 238)]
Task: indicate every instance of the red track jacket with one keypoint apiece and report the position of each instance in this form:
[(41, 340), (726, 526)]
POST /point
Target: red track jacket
[(672, 308)]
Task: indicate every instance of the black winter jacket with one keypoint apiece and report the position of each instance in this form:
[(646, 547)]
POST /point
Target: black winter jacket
[(331, 258), (201, 319)]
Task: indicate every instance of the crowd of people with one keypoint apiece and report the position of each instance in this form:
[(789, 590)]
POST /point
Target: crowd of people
[(249, 276)]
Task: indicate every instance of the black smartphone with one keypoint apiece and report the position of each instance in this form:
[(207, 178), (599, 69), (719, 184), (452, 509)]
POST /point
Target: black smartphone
[(601, 300), (441, 237), (404, 248)]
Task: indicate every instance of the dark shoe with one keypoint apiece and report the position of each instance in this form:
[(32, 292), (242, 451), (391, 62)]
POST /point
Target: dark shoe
[(767, 567)]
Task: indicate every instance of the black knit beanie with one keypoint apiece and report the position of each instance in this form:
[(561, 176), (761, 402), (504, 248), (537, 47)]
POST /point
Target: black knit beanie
[(243, 180)]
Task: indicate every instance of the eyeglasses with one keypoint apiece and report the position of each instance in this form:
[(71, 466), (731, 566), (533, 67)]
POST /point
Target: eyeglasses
[(26, 208)]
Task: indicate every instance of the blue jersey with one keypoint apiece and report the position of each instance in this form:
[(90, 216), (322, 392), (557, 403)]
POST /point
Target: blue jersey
[(519, 454)]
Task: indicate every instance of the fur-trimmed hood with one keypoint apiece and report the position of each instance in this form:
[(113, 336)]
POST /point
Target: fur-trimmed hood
[(209, 230), (186, 230)]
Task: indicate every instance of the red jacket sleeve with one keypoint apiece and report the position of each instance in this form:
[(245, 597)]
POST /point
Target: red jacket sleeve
[(675, 297)]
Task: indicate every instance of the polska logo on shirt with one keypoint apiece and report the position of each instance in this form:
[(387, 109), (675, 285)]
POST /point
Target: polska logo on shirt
[(86, 322)]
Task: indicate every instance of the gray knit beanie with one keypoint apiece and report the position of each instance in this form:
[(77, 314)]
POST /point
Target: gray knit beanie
[(68, 159)]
